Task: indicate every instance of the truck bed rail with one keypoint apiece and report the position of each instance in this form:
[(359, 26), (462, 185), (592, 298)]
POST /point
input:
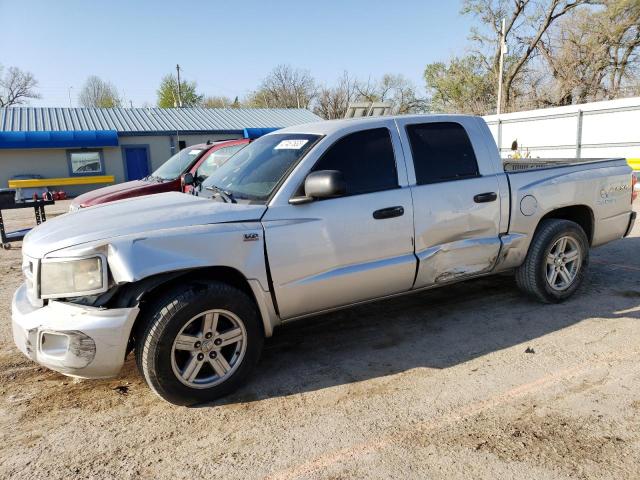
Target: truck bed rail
[(520, 165)]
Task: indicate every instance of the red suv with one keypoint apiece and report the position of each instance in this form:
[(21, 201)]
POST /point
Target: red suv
[(173, 175)]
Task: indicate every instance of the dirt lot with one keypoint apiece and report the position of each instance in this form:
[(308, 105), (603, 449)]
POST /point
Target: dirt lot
[(434, 385)]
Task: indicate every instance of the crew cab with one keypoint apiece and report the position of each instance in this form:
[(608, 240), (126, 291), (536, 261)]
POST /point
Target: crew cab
[(303, 221), (183, 172)]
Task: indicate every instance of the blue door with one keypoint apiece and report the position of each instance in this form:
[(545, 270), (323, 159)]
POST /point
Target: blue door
[(136, 162)]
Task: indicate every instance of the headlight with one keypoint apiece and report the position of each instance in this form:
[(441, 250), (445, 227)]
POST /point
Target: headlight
[(73, 277)]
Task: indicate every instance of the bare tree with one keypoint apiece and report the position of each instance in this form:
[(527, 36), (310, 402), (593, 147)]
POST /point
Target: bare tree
[(99, 93), (527, 21), (217, 101), (594, 54), (16, 87), (332, 102), (397, 90), (285, 87)]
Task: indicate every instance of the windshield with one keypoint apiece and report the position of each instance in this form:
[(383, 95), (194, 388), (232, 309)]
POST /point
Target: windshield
[(176, 165), (255, 171)]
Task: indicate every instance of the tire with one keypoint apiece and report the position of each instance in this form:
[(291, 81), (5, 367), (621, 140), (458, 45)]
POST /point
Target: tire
[(173, 367), (535, 276)]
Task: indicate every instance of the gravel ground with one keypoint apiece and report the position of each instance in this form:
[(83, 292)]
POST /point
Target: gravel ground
[(470, 381)]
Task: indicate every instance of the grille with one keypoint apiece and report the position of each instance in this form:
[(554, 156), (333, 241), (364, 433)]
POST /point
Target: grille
[(30, 267)]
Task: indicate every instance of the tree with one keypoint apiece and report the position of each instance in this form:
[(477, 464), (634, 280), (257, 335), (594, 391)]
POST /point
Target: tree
[(16, 87), (168, 93), (396, 90), (463, 85), (527, 21), (332, 102), (220, 102), (99, 93), (593, 54), (285, 87)]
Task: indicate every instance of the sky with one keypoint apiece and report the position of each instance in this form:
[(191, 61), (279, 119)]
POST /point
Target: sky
[(226, 47)]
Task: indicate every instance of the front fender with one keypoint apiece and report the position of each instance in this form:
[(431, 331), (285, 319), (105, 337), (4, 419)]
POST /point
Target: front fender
[(131, 258), (158, 254)]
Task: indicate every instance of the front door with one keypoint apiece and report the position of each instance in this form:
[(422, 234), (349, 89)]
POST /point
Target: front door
[(136, 161), (334, 252)]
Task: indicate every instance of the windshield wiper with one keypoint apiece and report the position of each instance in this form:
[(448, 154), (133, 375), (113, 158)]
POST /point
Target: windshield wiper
[(226, 195)]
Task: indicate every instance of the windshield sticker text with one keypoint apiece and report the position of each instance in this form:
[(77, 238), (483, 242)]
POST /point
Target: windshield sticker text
[(290, 145)]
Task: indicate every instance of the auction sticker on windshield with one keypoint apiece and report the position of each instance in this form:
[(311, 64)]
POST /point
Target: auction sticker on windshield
[(291, 144)]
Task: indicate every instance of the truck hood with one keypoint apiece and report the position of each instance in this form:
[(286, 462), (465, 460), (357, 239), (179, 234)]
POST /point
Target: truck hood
[(120, 191), (138, 215)]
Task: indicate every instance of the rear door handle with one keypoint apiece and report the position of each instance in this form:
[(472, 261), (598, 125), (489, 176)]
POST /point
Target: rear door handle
[(388, 213), (485, 197)]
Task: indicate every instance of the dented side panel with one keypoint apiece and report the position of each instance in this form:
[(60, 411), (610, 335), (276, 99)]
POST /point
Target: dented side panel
[(135, 257), (455, 237), (235, 245)]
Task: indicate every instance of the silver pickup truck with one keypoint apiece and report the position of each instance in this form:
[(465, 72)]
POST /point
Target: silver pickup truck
[(302, 221)]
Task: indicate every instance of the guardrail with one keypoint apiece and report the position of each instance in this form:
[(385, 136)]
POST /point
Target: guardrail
[(61, 182)]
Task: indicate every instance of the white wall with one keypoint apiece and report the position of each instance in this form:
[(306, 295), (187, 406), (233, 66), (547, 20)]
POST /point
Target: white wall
[(591, 130)]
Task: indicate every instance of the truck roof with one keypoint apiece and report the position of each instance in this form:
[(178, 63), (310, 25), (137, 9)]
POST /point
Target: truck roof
[(330, 126)]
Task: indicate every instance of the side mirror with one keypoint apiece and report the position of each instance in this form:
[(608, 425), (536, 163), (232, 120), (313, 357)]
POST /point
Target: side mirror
[(322, 184), (187, 179)]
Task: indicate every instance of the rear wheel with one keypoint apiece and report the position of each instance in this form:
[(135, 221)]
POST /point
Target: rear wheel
[(556, 263), (199, 343)]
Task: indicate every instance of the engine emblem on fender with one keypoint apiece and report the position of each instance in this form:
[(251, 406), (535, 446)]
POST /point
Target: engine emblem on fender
[(251, 237)]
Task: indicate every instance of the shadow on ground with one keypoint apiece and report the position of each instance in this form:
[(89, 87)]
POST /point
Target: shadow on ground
[(435, 329)]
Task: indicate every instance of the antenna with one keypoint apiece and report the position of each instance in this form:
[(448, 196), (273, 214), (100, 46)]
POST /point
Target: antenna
[(503, 50), (179, 93)]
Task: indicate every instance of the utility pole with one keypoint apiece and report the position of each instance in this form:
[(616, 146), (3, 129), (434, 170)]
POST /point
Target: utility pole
[(179, 93), (503, 48), (69, 91)]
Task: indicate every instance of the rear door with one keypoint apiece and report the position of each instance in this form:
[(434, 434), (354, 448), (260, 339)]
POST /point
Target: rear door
[(338, 251), (456, 201)]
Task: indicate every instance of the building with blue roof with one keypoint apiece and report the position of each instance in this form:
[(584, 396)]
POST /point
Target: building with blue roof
[(70, 142)]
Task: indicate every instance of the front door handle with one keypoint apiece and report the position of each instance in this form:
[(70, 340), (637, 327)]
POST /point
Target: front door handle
[(388, 213), (485, 197)]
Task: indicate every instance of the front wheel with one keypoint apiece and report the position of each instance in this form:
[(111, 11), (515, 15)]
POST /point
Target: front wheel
[(199, 342), (556, 262)]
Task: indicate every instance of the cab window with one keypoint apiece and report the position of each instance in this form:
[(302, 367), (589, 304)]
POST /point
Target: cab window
[(365, 159), (441, 152)]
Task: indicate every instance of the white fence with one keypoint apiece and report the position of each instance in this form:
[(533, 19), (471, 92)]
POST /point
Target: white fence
[(591, 130)]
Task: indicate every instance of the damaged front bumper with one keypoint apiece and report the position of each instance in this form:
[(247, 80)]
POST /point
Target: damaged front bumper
[(72, 339)]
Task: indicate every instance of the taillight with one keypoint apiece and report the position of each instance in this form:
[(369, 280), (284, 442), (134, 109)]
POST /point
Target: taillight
[(634, 192)]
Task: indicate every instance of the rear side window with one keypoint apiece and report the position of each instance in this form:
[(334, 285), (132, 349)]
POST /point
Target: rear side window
[(441, 152), (365, 159)]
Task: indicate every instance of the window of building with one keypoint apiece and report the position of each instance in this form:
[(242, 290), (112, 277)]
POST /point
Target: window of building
[(182, 144), (85, 162), (365, 159), (441, 152), (216, 160)]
